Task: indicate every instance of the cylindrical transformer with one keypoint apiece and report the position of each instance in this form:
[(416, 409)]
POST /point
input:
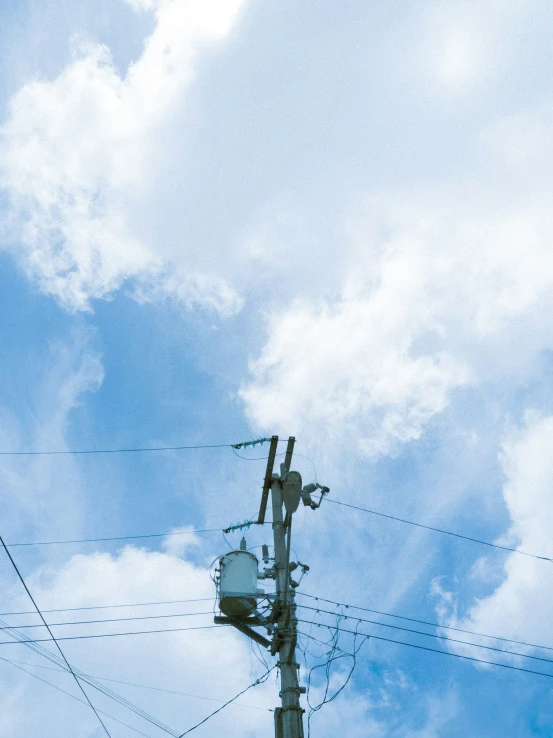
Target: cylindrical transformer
[(238, 585)]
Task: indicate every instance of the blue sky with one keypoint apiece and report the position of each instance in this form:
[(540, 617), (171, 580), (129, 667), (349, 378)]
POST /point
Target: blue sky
[(232, 219)]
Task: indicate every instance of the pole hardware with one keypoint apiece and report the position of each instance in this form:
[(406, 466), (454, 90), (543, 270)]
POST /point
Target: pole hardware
[(267, 480), (238, 572), (291, 491), (308, 490), (299, 690), (243, 628)]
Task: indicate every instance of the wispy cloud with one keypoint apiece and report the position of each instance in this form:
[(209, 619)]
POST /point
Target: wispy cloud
[(76, 152)]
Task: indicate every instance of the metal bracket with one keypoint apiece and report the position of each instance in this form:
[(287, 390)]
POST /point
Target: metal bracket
[(292, 648), (298, 690), (285, 467), (267, 482), (243, 628), (275, 642)]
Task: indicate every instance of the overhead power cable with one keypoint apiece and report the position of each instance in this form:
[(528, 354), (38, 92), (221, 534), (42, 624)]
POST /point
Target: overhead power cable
[(52, 637), (135, 450), (116, 538), (302, 594), (112, 620), (91, 681), (110, 635), (73, 697), (427, 622), (261, 679), (80, 452), (428, 635), (107, 607), (143, 686), (441, 530), (432, 650)]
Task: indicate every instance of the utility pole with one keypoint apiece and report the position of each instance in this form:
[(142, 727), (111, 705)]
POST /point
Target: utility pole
[(288, 717), (238, 597)]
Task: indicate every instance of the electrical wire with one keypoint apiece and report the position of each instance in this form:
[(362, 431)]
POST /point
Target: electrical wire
[(140, 449), (434, 635), (324, 643), (231, 548), (52, 637), (115, 538), (106, 607), (91, 681), (304, 456), (427, 622), (39, 649), (441, 530), (134, 450), (258, 653), (110, 635), (261, 679), (437, 650), (111, 620), (254, 458), (73, 697), (143, 686), (331, 657)]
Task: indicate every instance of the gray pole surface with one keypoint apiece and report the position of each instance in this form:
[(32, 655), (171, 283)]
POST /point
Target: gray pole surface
[(288, 718)]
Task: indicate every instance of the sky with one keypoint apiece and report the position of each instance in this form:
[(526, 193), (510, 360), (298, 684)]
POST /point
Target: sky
[(232, 219)]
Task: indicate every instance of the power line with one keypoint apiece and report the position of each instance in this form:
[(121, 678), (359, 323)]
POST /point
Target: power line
[(427, 622), (105, 607), (429, 635), (112, 620), (134, 450), (441, 530), (303, 594), (427, 648), (142, 686), (52, 636), (116, 538), (142, 449), (108, 692), (90, 680), (73, 697), (109, 635), (261, 679)]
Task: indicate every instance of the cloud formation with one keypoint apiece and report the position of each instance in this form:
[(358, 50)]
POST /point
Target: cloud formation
[(76, 152), (528, 467), (428, 308)]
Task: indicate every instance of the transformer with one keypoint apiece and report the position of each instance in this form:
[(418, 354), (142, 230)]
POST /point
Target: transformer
[(238, 584)]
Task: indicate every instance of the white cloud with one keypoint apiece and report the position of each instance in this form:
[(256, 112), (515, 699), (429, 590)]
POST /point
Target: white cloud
[(463, 45), (427, 308), (456, 59), (47, 492), (525, 591), (442, 713), (214, 663), (76, 153), (344, 369), (353, 710), (178, 545), (521, 141)]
